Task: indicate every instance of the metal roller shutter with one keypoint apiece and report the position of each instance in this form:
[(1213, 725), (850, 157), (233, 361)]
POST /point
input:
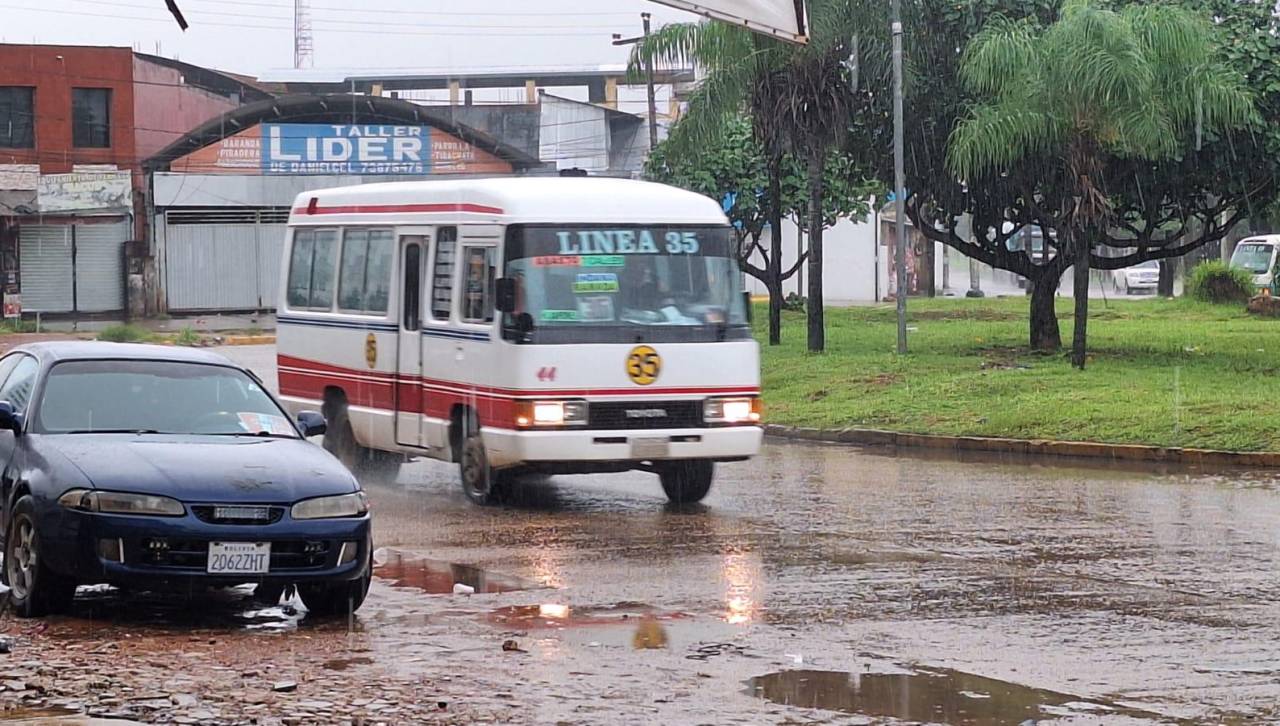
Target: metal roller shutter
[(45, 264), (223, 259), (100, 266)]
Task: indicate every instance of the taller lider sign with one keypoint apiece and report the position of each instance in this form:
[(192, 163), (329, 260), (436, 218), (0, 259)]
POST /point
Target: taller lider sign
[(300, 149), (339, 149)]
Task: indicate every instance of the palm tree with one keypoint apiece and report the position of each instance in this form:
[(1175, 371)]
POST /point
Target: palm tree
[(1096, 84), (800, 101)]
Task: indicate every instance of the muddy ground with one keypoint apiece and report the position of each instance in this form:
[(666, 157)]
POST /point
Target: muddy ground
[(815, 585)]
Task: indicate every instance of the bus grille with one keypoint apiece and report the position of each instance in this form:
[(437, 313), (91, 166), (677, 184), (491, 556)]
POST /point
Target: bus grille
[(645, 415)]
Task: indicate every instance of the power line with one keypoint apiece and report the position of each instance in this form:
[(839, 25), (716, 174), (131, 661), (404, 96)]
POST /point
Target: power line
[(385, 11), (347, 22), (522, 33)]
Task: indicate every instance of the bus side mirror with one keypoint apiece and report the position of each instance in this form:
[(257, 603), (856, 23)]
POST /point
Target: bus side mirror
[(505, 294)]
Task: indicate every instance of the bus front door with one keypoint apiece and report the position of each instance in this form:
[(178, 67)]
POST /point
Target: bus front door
[(409, 394)]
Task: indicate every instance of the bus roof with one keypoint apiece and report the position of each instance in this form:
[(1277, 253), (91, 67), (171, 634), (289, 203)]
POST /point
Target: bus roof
[(507, 200)]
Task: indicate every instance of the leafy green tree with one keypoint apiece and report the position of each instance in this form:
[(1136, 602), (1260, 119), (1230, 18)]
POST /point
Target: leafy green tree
[(1096, 84), (801, 100), (733, 166), (1161, 208)]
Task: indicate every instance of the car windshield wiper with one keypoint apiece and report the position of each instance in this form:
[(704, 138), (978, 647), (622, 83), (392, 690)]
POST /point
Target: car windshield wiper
[(113, 431), (258, 434)]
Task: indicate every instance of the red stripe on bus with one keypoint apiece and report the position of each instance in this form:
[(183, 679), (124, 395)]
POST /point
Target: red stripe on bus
[(506, 393), (398, 209)]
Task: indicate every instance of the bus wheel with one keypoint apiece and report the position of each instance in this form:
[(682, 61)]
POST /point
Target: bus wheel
[(686, 482), (340, 441), (480, 482)]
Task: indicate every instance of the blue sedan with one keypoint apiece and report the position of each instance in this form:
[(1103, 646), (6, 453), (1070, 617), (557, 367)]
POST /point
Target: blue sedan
[(165, 468)]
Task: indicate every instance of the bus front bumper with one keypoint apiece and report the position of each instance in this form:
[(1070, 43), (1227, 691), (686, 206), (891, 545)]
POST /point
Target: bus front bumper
[(506, 447)]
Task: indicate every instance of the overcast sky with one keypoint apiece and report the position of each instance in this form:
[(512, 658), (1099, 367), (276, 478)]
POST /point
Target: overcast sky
[(254, 36)]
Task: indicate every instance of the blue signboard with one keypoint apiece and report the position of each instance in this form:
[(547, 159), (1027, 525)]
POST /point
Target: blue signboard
[(345, 149)]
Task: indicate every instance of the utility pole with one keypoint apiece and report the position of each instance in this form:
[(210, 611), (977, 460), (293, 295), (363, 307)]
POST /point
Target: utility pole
[(653, 104), (303, 43), (899, 179)]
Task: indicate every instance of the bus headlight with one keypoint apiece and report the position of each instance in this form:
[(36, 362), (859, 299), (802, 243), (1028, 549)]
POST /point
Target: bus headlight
[(732, 410), (531, 414)]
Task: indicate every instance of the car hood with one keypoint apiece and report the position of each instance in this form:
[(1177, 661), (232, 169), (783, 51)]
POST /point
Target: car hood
[(203, 468)]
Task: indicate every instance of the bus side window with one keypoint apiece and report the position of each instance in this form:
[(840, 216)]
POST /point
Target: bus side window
[(311, 269), (412, 286), (442, 273), (477, 284)]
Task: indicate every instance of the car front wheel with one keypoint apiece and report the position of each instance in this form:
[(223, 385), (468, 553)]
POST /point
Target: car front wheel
[(331, 599), (687, 482), (34, 589)]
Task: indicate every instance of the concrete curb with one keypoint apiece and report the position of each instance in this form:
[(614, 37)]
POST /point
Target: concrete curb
[(1024, 447), (249, 340)]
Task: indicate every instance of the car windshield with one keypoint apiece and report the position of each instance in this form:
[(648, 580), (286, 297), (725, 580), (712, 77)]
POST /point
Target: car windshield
[(597, 284), (1147, 265), (110, 396), (1254, 257)]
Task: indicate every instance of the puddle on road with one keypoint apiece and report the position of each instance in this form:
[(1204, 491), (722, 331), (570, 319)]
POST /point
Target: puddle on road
[(57, 717), (550, 615), (438, 578), (342, 664), (929, 695)]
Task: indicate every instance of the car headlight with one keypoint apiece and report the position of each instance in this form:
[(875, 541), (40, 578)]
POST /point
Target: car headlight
[(732, 410), (344, 505), (87, 500), (550, 413)]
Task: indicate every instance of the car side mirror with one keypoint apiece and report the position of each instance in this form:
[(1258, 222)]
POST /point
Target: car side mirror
[(505, 294), (311, 423), (9, 418)]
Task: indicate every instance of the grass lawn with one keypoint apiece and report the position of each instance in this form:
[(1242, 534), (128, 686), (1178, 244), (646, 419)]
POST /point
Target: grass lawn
[(1170, 373)]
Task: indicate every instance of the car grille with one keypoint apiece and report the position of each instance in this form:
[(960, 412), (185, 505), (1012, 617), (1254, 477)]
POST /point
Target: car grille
[(193, 554), (645, 415), (208, 513)]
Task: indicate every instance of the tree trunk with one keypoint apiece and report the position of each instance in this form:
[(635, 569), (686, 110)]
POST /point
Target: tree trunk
[(775, 311), (1044, 319), (774, 265), (817, 326), (1164, 286), (1079, 337)]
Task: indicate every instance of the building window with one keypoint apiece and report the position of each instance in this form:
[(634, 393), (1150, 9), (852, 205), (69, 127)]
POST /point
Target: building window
[(17, 115), (311, 268), (364, 277), (91, 118), (442, 274)]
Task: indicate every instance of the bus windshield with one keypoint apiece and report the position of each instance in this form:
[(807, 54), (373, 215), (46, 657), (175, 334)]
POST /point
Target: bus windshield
[(1254, 257), (624, 283)]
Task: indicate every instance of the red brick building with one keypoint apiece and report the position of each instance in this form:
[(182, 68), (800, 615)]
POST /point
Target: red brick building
[(75, 124)]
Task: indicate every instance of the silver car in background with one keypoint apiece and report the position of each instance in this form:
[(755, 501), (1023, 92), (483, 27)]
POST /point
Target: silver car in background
[(1142, 277)]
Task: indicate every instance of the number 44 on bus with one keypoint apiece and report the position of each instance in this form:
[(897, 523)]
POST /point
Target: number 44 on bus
[(521, 325)]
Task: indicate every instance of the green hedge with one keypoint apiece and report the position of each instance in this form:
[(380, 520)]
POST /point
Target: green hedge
[(1218, 282)]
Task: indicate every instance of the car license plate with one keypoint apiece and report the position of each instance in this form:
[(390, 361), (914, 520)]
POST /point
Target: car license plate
[(239, 558), (650, 448)]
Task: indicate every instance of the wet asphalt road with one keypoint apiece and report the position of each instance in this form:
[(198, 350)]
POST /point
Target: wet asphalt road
[(867, 584)]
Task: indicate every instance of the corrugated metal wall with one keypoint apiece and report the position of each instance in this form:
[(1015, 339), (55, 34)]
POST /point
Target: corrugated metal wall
[(223, 260), (100, 266), (72, 269), (45, 264)]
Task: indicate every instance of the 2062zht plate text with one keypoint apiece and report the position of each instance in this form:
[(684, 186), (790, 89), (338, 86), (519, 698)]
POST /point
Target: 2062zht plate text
[(252, 558)]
